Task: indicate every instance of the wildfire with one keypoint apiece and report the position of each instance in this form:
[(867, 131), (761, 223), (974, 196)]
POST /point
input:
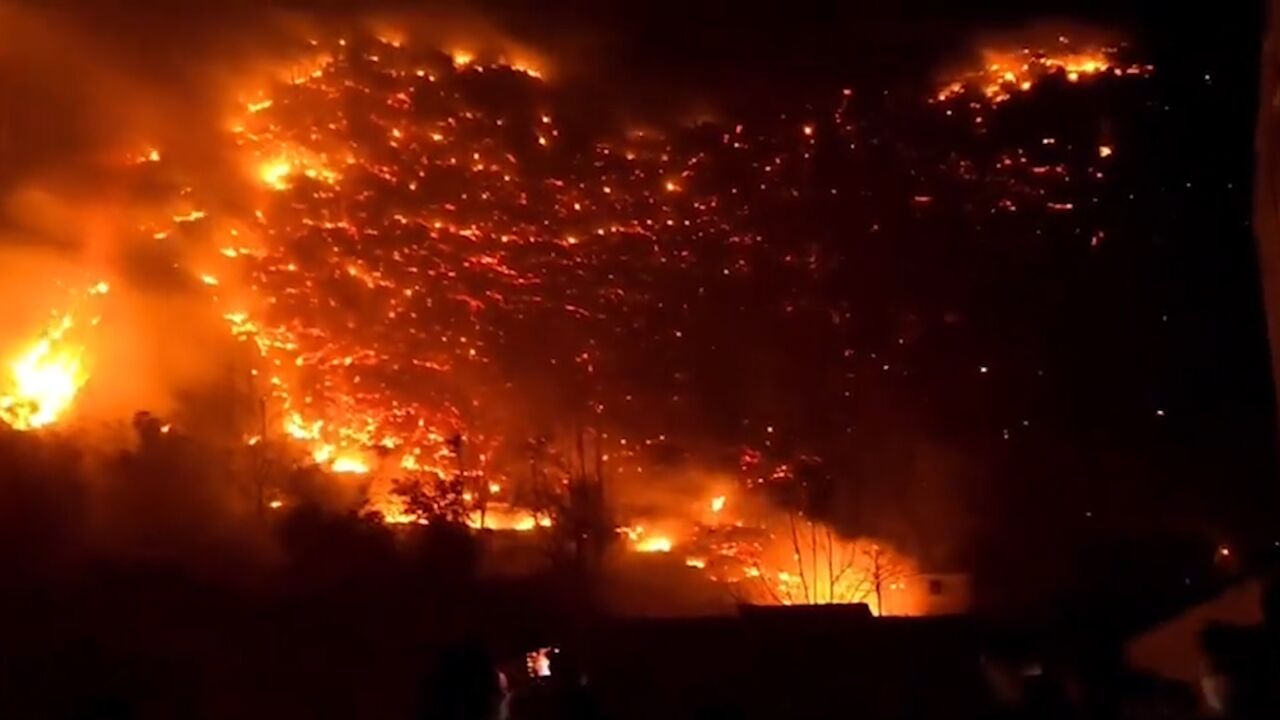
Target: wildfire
[(456, 249), (45, 376), (44, 379), (421, 236), (1004, 73)]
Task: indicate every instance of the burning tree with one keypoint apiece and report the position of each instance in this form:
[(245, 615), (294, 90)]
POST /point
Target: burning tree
[(783, 554), (813, 565), (573, 492)]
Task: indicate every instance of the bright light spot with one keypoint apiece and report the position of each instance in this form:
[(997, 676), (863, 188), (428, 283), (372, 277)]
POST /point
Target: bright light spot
[(527, 70), (462, 58), (276, 173), (189, 217), (656, 544), (349, 464), (717, 503), (43, 380), (538, 663), (1104, 151)]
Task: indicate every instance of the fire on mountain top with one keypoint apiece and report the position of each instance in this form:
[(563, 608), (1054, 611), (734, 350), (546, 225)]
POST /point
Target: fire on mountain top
[(1006, 72)]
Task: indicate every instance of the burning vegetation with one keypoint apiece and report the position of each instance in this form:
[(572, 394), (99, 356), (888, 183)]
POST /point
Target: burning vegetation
[(44, 377), (462, 304), (1006, 72)]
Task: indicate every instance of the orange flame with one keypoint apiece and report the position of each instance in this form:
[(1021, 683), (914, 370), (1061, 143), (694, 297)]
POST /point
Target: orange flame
[(44, 379)]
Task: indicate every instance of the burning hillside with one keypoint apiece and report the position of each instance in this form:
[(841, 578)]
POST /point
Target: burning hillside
[(444, 280)]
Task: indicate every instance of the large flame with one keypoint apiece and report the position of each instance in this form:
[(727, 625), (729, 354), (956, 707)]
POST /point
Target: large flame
[(43, 379), (45, 375)]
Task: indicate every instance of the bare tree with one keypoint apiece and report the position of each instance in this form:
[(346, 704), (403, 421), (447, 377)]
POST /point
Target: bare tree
[(885, 569), (567, 489), (433, 499), (814, 565)]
